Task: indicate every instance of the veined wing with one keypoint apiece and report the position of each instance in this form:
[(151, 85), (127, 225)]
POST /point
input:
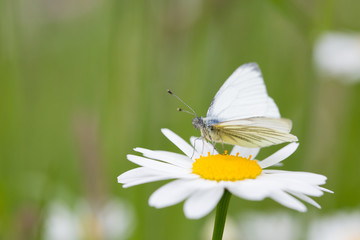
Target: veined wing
[(243, 95), (277, 124), (255, 132)]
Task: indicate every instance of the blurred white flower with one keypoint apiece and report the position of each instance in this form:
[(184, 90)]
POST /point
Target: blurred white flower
[(268, 226), (231, 231), (61, 223), (117, 220), (337, 55), (110, 222), (202, 178), (340, 226)]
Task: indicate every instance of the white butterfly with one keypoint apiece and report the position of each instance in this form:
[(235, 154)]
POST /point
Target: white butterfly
[(242, 113)]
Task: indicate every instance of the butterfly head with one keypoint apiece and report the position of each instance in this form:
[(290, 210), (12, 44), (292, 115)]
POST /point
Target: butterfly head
[(198, 123)]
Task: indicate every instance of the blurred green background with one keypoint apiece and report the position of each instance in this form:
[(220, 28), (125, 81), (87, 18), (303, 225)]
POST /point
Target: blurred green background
[(83, 82)]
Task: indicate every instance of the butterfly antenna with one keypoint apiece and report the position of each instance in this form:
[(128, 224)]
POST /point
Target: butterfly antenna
[(185, 111), (182, 110)]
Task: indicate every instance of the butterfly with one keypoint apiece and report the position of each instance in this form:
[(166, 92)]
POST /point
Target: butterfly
[(243, 114)]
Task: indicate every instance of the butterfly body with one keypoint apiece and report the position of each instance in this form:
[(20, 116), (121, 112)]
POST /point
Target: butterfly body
[(242, 113), (206, 128)]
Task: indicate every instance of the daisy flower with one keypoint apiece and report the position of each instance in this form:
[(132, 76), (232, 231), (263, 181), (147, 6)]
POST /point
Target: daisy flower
[(203, 176)]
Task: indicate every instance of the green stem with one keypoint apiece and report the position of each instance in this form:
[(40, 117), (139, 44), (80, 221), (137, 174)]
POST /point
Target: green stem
[(220, 218)]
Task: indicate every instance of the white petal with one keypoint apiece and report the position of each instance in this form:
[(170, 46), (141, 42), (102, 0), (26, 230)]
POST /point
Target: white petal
[(303, 188), (288, 201), (278, 164), (152, 178), (279, 155), (139, 181), (292, 184), (245, 152), (173, 193), (156, 165), (250, 189), (325, 190), (312, 178), (202, 202), (169, 157), (179, 142), (202, 146), (137, 173), (306, 199)]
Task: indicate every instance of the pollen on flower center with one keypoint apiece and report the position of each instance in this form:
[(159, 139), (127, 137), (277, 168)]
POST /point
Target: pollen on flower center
[(223, 167)]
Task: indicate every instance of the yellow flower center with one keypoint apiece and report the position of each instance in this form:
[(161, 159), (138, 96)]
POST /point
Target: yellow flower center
[(224, 167)]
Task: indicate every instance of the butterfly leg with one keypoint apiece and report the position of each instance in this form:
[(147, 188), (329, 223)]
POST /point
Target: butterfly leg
[(214, 144), (202, 150), (198, 138), (222, 144), (193, 151)]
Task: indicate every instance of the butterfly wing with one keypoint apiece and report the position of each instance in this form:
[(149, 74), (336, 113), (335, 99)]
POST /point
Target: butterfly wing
[(255, 132), (242, 113), (243, 95)]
